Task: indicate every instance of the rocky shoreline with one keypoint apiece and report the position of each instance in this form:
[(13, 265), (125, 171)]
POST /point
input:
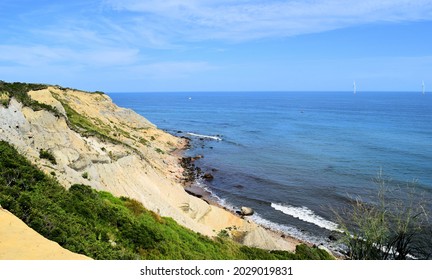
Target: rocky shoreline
[(191, 173), (140, 161)]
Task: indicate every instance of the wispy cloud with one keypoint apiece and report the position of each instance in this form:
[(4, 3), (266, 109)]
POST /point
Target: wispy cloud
[(155, 40), (36, 55), (245, 20)]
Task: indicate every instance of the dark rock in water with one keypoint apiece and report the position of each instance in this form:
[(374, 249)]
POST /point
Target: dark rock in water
[(239, 186), (197, 157), (333, 237), (185, 160), (208, 176), (179, 131), (188, 172), (246, 211)]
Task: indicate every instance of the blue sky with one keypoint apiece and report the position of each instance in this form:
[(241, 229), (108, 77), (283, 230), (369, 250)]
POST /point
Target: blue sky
[(218, 45)]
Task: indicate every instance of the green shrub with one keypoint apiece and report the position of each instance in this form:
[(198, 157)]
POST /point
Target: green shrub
[(44, 154), (223, 234), (5, 103), (387, 226)]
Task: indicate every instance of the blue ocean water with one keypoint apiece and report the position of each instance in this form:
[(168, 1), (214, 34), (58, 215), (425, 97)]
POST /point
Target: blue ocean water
[(296, 156)]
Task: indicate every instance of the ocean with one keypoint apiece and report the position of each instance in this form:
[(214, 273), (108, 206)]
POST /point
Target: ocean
[(297, 158)]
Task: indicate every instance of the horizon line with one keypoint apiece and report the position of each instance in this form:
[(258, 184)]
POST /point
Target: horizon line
[(270, 91)]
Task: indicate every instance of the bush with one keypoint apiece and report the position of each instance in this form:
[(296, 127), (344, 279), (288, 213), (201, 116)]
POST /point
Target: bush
[(5, 103), (44, 154), (388, 227)]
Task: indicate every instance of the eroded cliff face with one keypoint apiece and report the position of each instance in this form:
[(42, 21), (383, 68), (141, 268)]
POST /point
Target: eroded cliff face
[(113, 149)]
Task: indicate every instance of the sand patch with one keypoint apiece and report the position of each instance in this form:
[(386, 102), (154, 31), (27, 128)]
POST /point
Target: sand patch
[(20, 242)]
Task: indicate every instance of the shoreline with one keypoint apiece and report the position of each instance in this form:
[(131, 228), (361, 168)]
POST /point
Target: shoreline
[(147, 168), (191, 173), (194, 173)]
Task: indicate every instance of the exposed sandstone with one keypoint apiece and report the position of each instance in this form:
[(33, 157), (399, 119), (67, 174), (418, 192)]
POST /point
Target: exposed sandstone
[(135, 159), (19, 242)]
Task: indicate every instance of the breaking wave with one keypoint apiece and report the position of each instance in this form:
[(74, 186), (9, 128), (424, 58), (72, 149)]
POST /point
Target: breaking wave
[(307, 215), (217, 138)]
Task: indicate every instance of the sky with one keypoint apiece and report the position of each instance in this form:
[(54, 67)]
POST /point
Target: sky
[(218, 45)]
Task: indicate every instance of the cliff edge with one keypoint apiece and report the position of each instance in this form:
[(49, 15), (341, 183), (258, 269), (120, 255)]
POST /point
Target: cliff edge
[(84, 138)]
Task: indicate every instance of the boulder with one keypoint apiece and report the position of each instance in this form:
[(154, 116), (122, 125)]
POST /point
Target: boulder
[(208, 176), (246, 211)]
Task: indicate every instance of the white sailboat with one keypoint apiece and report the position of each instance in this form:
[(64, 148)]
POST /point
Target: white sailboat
[(354, 87), (423, 88)]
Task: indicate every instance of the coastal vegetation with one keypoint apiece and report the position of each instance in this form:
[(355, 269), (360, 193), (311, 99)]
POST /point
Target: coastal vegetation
[(93, 127), (85, 127), (44, 154), (386, 226), (101, 226), (75, 121), (20, 92)]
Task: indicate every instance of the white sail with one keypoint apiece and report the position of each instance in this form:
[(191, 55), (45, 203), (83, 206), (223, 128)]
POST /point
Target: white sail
[(354, 87), (423, 88)]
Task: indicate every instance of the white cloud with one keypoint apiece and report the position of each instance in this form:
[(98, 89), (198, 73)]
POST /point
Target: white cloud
[(244, 20), (37, 55)]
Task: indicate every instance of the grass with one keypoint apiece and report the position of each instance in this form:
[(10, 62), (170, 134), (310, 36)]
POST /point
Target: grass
[(102, 226), (144, 141), (85, 127)]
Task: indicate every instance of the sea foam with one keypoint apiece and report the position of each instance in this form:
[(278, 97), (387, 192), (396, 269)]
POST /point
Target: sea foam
[(205, 136), (307, 215)]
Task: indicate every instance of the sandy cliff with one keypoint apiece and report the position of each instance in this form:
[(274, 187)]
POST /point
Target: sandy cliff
[(116, 150), (19, 242)]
